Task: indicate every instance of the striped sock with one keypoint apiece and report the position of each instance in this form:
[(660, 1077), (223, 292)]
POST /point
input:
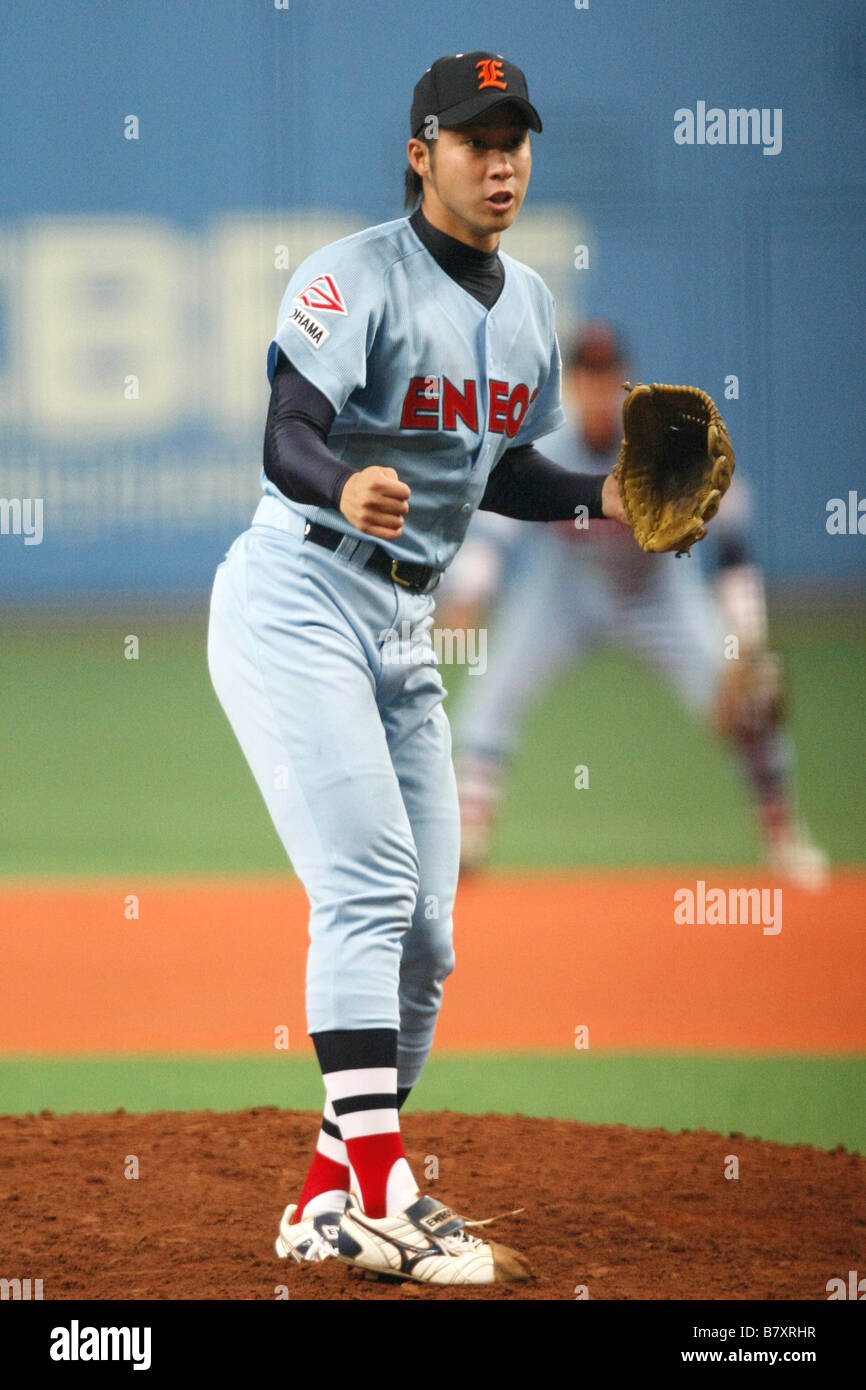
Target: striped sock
[(359, 1068), (326, 1185)]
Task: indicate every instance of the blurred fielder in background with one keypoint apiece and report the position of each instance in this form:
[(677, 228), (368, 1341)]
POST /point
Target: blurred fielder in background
[(554, 591)]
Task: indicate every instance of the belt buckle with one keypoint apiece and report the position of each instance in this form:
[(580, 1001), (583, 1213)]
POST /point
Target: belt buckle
[(407, 583)]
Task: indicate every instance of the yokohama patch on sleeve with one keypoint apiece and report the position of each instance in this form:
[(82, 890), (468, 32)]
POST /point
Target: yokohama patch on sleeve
[(323, 293), (313, 331)]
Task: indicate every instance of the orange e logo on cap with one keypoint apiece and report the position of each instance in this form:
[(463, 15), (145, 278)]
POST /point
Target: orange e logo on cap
[(490, 73)]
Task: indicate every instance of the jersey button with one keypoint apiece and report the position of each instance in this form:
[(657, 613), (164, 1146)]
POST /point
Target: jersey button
[(440, 554), (466, 508)]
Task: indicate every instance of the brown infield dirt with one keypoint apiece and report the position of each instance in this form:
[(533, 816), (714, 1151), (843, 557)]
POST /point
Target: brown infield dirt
[(615, 1212)]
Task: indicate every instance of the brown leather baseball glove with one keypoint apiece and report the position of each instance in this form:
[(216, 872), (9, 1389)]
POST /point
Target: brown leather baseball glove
[(674, 466)]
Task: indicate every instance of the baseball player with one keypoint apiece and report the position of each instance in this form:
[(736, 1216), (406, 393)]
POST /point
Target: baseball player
[(412, 368), (562, 588)]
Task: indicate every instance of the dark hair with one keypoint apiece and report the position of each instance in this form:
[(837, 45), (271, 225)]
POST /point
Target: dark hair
[(413, 187), (598, 347), (413, 184)]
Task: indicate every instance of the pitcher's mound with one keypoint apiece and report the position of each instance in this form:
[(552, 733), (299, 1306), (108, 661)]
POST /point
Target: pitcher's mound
[(177, 1205)]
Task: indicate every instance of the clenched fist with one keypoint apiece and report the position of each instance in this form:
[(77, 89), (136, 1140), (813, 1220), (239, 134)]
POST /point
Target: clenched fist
[(611, 500), (375, 501)]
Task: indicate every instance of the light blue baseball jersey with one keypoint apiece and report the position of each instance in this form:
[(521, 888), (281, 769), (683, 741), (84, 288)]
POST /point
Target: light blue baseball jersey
[(422, 377)]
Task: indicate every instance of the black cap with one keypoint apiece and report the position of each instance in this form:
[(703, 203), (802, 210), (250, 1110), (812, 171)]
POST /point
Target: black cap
[(597, 348), (459, 89)]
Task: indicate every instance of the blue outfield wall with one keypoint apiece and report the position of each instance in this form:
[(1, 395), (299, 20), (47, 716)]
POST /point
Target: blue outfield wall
[(140, 277)]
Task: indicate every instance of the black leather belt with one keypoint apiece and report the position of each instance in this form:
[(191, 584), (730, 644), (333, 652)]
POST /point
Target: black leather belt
[(401, 571)]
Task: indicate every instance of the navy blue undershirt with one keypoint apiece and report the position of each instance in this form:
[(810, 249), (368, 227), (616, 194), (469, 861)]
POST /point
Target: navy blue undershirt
[(524, 484)]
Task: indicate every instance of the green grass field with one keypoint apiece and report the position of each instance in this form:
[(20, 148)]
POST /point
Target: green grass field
[(812, 1100), (115, 767)]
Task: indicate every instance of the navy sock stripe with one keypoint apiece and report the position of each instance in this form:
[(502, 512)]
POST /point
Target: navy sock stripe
[(387, 1100), (328, 1127), (351, 1049)]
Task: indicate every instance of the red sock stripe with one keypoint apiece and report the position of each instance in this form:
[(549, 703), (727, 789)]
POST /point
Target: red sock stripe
[(324, 1175), (372, 1157)]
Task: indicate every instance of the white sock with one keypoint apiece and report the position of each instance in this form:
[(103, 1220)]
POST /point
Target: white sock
[(401, 1189), (334, 1200)]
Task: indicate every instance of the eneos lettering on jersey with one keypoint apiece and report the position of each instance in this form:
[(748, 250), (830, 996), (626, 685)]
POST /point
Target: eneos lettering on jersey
[(424, 409)]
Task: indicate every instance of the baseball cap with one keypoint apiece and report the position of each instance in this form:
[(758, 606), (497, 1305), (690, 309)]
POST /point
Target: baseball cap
[(460, 88), (597, 348)]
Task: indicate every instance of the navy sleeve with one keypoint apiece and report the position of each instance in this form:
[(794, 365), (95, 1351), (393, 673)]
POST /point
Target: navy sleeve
[(526, 485), (297, 459)]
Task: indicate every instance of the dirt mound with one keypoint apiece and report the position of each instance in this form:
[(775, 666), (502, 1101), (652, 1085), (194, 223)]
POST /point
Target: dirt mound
[(621, 1213)]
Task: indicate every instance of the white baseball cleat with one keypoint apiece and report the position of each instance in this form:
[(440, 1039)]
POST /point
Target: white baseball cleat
[(428, 1243), (793, 855), (314, 1239)]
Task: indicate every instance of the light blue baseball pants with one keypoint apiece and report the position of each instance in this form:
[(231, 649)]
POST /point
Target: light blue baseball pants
[(345, 733)]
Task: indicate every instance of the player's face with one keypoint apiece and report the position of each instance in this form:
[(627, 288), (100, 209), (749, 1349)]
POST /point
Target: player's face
[(598, 398), (476, 180)]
